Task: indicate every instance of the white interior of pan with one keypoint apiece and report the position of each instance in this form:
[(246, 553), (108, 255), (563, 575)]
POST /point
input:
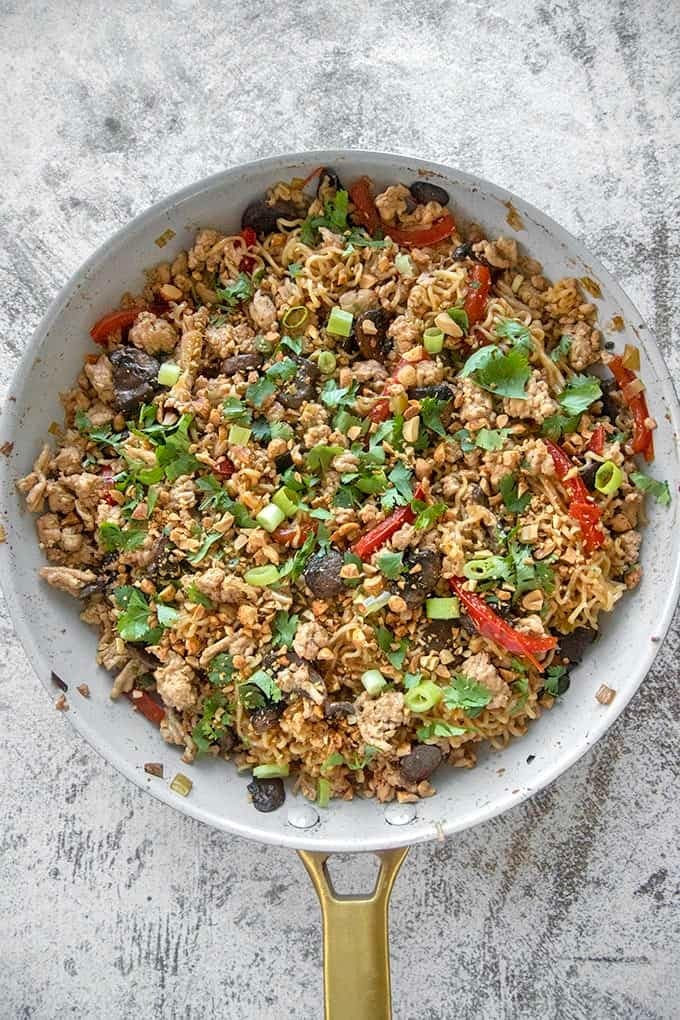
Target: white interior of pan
[(55, 639)]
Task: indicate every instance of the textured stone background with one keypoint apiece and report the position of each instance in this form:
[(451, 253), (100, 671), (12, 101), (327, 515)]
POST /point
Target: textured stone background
[(114, 906)]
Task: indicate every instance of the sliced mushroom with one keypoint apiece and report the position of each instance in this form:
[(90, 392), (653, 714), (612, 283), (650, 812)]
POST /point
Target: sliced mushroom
[(262, 218), (425, 191), (420, 763), (438, 634), (573, 646), (424, 567), (329, 184), (609, 399), (339, 709), (322, 574), (267, 794), (587, 473), (439, 391), (370, 333), (135, 377), (303, 386), (263, 719), (241, 363)]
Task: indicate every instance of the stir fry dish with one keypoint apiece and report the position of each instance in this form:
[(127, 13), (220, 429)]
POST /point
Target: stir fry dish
[(346, 493)]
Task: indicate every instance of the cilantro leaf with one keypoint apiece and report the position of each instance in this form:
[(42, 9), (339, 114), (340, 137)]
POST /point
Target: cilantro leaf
[(320, 458), (515, 331), (294, 567), (213, 724), (580, 392), (464, 437), (491, 439), (283, 370), (333, 395), (557, 425), (439, 728), (285, 626), (430, 411), (659, 490), (515, 503), (400, 477), (465, 693), (235, 411), (260, 391), (556, 680), (293, 343), (521, 689), (258, 690), (294, 269), (219, 500), (221, 669), (460, 317), (241, 289), (113, 537), (173, 456), (560, 352), (167, 615), (192, 594), (209, 540), (133, 622), (426, 513), (391, 564), (386, 640), (334, 218), (505, 375)]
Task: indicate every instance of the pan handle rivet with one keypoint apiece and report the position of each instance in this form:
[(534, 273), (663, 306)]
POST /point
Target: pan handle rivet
[(302, 816), (400, 814)]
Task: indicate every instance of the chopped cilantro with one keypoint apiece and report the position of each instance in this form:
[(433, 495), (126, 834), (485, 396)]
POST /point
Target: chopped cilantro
[(464, 438), (521, 689), (386, 640), (285, 626), (217, 717), (439, 728), (293, 343), (133, 622), (350, 557), (173, 456), (391, 564), (260, 391), (294, 567), (556, 680), (430, 412), (467, 694), (167, 616), (235, 411), (557, 425), (401, 492), (334, 396), (334, 218), (320, 458), (491, 439), (460, 317), (219, 500), (283, 370), (259, 690), (294, 269), (192, 594), (221, 669), (113, 537), (560, 352), (580, 392), (659, 490), (208, 541), (426, 513), (515, 331), (241, 289), (505, 375), (515, 503)]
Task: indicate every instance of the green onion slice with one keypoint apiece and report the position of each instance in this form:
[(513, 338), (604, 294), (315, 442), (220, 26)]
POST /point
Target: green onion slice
[(608, 478), (262, 577), (373, 681), (295, 317), (238, 435), (480, 570), (271, 771), (442, 609), (340, 322), (270, 517), (422, 698), (284, 499), (323, 793), (433, 340), (326, 362), (168, 373)]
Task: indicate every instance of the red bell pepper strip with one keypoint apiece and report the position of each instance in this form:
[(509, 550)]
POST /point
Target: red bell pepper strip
[(225, 468), (149, 708), (249, 236), (478, 293), (643, 440), (421, 237), (491, 626), (365, 210), (121, 319), (378, 535), (596, 443), (582, 506), (381, 409), (293, 533)]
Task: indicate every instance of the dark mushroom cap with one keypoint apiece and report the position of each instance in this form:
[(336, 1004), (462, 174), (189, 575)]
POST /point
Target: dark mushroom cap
[(419, 582), (337, 709), (425, 191), (587, 473), (420, 763), (303, 386), (573, 646), (241, 363), (263, 719), (328, 184), (373, 346), (135, 377), (267, 794), (262, 217), (322, 574), (438, 391), (437, 634)]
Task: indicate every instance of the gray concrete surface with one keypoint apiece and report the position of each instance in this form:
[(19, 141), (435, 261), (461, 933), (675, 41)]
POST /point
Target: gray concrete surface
[(113, 906)]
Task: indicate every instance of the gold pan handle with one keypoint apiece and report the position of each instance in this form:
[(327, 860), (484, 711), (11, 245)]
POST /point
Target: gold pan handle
[(356, 958)]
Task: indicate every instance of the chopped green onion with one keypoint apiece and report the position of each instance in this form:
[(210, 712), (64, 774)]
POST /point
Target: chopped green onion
[(375, 602), (323, 793), (271, 771), (238, 435), (608, 478), (433, 340), (480, 570), (373, 681), (282, 499), (459, 316), (442, 609), (295, 317), (403, 265), (270, 516), (326, 362), (263, 345), (340, 322), (262, 577), (422, 698), (181, 784), (168, 373)]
